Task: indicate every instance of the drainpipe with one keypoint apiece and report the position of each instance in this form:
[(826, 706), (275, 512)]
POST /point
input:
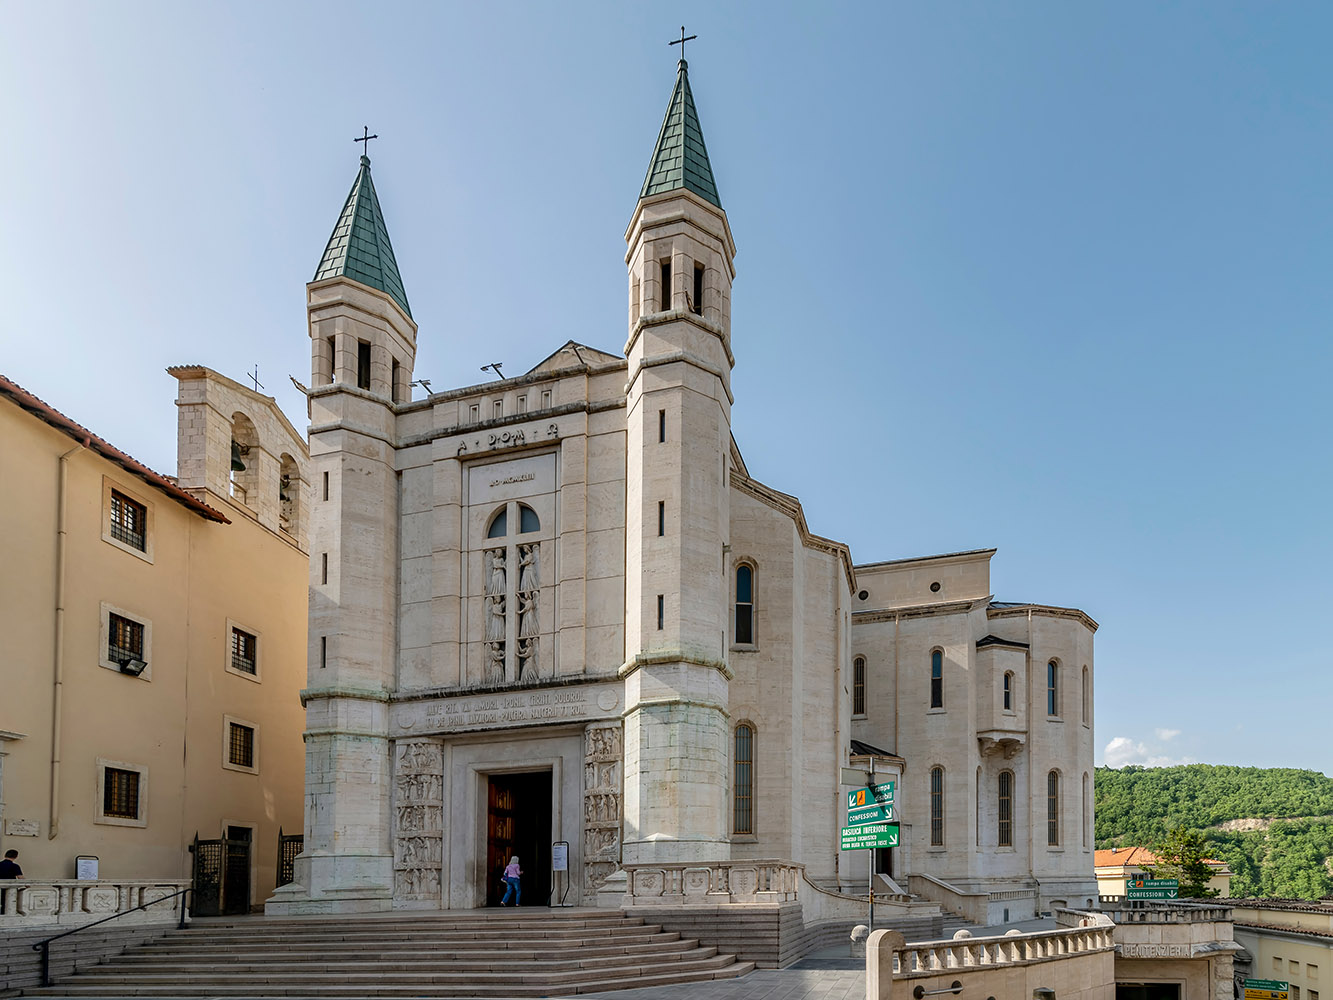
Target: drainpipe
[(58, 667)]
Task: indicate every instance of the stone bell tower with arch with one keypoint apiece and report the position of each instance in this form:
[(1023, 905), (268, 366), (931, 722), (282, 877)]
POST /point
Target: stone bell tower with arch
[(678, 415)]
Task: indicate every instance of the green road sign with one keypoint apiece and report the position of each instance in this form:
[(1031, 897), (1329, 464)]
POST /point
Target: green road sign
[(1266, 989), (857, 838), (871, 795), (1152, 888), (870, 814)]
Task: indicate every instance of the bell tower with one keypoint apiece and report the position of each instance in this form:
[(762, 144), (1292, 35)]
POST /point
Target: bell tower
[(678, 413), (363, 344)]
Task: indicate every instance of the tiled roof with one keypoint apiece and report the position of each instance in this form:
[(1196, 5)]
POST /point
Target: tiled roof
[(1136, 857), (359, 247), (680, 159), (43, 411)]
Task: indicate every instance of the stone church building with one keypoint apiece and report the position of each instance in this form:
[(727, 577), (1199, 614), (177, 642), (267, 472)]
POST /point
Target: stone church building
[(555, 616)]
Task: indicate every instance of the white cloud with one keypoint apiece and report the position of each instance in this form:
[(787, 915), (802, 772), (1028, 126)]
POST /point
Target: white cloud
[(1122, 750), (1167, 734)]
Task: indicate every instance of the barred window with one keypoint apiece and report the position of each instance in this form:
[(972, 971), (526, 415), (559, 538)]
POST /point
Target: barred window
[(937, 807), (244, 649), (120, 793), (859, 686), (1053, 809), (124, 639), (241, 745), (1005, 802), (744, 784), (129, 521)]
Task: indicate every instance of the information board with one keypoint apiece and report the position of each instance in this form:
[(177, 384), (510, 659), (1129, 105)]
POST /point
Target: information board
[(560, 856), (1266, 989), (871, 835)]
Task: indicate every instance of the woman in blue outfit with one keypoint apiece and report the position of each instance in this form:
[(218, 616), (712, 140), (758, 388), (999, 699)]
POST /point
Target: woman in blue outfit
[(512, 872)]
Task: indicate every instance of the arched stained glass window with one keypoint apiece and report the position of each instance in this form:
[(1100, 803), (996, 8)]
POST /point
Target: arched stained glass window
[(937, 679), (743, 786), (528, 519), (499, 524), (744, 634)]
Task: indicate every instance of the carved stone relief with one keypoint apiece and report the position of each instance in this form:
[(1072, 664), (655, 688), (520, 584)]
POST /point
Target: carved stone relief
[(418, 842), (602, 790)]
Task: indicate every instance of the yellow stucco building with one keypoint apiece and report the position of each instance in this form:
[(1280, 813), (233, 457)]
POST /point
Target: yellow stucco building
[(156, 635)]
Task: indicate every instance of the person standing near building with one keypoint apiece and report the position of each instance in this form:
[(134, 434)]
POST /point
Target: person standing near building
[(511, 877), (9, 868)]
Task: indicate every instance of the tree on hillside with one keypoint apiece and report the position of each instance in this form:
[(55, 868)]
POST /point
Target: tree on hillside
[(1180, 857)]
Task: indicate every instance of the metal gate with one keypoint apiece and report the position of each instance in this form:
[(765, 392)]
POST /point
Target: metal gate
[(221, 876), (289, 846)]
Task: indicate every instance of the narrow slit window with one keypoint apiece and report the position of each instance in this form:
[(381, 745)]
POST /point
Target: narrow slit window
[(859, 686), (326, 486), (661, 517), (743, 814), (1005, 810), (393, 382), (1053, 809), (1008, 691), (937, 679), (661, 611), (323, 651), (744, 605), (324, 567), (697, 302), (333, 359), (1052, 688), (661, 426), (666, 286), (362, 365)]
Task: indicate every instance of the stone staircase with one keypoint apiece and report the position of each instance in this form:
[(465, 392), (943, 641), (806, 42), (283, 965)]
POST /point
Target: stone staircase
[(477, 953)]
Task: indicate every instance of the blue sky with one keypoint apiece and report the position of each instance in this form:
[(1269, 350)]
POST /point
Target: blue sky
[(1047, 277)]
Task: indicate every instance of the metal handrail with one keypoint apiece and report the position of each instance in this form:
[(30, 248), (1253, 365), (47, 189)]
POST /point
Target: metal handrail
[(45, 946)]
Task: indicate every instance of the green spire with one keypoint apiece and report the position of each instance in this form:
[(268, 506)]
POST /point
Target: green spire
[(681, 159), (359, 247)]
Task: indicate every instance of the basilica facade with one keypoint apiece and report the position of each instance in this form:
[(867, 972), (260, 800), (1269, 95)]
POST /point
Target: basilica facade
[(554, 615)]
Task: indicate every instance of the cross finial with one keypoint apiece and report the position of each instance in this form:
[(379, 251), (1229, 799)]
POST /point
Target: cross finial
[(365, 139), (681, 42), (255, 379)]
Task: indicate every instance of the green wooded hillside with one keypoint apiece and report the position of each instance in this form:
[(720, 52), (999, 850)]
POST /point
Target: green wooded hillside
[(1291, 857)]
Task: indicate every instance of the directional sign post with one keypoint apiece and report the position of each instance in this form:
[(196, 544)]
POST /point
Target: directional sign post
[(1152, 888), (1266, 989), (872, 804), (869, 836)]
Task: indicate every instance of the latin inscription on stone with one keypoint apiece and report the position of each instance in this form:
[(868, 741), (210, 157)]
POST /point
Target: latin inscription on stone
[(1134, 950), (517, 708)]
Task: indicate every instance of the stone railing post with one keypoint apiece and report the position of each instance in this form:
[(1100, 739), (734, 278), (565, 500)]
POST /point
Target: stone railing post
[(881, 947)]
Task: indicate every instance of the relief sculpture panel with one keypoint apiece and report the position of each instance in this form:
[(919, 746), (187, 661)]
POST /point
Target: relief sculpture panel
[(418, 841), (602, 789)]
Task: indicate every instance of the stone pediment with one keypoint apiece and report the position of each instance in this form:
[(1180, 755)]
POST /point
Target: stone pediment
[(574, 355)]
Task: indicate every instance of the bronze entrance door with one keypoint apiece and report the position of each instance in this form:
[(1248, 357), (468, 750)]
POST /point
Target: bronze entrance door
[(518, 821)]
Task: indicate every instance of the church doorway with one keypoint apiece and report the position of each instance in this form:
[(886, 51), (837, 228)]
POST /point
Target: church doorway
[(518, 821), (1147, 991)]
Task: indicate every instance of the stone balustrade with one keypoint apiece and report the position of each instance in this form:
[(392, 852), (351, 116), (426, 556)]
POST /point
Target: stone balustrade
[(1169, 913), (1078, 963), (712, 883), (31, 904)]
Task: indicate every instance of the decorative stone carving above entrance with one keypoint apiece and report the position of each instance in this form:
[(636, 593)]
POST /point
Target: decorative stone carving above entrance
[(418, 843), (602, 788)]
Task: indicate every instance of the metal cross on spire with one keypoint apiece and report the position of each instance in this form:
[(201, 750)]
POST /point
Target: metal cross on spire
[(365, 140), (681, 42), (255, 379)]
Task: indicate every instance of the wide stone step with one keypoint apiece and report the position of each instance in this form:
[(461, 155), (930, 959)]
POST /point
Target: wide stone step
[(534, 975), (243, 967), (377, 935), (670, 942)]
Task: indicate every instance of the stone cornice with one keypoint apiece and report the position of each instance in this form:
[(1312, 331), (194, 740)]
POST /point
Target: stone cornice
[(728, 244), (916, 611), (944, 558), (670, 656), (674, 357), (429, 694), (791, 507), (679, 316), (461, 430), (515, 382), (349, 693), (1043, 611)]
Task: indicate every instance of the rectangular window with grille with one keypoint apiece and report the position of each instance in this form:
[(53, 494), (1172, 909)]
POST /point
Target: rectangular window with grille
[(1005, 831), (120, 793), (937, 807), (859, 686), (744, 788), (241, 745), (124, 639), (129, 521), (244, 651)]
